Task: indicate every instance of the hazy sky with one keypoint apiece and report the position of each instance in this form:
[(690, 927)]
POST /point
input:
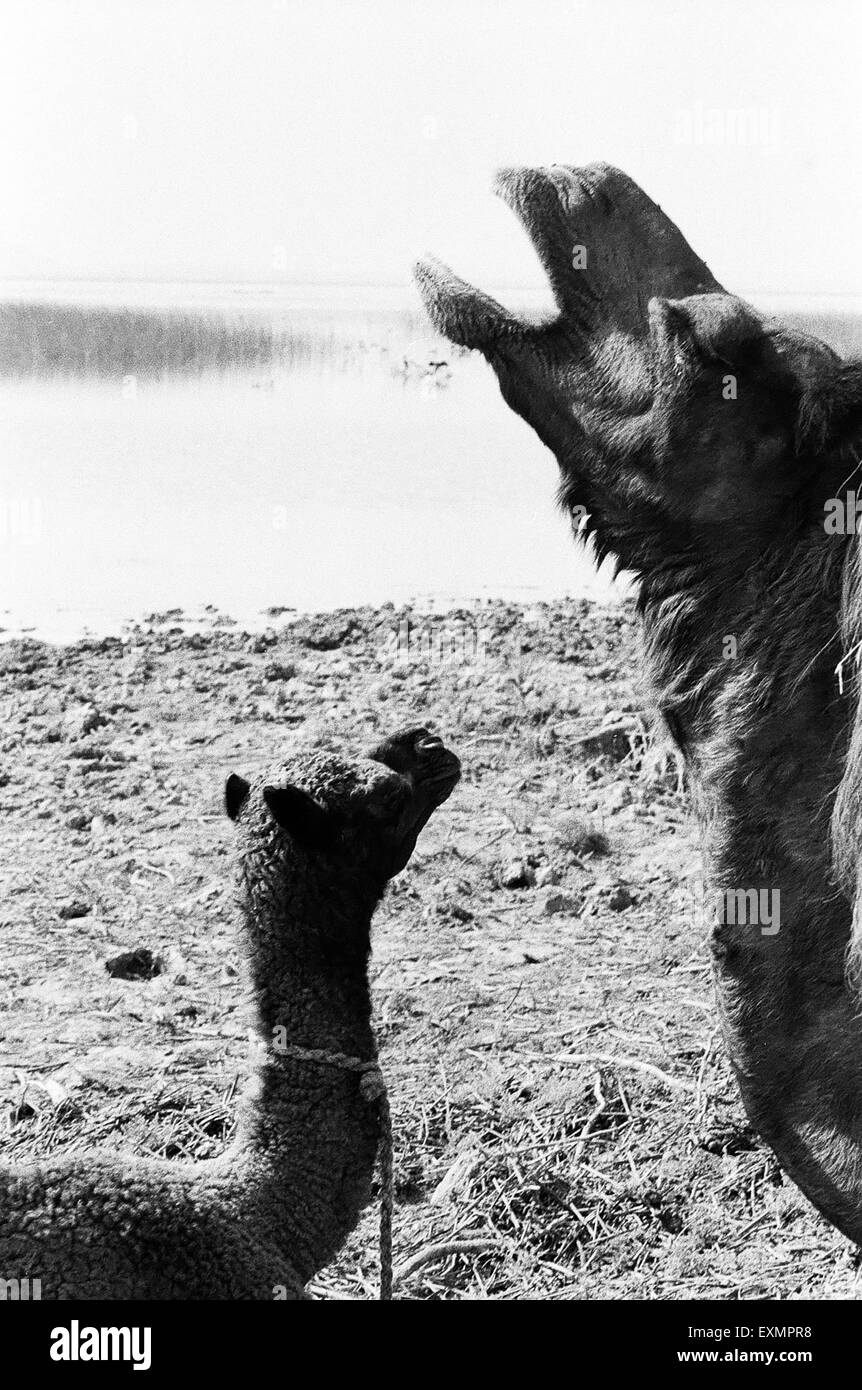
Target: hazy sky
[(337, 139)]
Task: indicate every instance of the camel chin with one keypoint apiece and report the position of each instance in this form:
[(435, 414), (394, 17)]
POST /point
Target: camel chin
[(706, 442)]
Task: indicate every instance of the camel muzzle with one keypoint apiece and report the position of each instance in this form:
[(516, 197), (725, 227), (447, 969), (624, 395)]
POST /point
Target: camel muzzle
[(421, 757), (605, 246)]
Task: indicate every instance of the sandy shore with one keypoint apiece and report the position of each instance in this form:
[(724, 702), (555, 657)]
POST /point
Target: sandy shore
[(543, 999)]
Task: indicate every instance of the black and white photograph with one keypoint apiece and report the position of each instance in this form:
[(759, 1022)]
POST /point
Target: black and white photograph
[(430, 668)]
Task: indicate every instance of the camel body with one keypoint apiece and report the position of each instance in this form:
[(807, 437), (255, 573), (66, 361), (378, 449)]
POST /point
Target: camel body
[(706, 445)]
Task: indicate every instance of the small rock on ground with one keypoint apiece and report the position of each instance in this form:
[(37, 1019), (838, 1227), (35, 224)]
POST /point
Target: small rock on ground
[(140, 964)]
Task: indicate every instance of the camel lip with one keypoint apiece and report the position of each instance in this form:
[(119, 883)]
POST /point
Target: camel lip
[(522, 189), (440, 781), (463, 314), (526, 190), (556, 206), (446, 772)]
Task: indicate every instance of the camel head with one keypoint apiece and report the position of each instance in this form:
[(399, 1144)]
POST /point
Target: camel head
[(346, 820), (678, 414)]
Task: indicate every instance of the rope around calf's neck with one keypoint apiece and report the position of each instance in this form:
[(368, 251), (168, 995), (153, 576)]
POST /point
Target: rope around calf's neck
[(372, 1088)]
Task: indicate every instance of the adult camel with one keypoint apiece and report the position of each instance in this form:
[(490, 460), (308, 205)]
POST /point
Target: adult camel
[(706, 443)]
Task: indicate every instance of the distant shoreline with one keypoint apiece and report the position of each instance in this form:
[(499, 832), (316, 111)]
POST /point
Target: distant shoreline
[(69, 289), (423, 610)]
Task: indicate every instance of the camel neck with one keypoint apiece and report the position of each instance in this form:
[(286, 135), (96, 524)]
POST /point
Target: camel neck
[(307, 1134), (750, 678)]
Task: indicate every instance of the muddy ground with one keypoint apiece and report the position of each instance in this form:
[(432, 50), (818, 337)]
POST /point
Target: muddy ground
[(561, 1101)]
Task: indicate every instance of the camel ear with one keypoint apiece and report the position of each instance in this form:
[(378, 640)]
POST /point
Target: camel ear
[(716, 326), (235, 793), (830, 411), (304, 819)]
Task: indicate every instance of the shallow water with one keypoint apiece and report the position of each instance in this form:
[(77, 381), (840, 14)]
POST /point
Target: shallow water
[(339, 476)]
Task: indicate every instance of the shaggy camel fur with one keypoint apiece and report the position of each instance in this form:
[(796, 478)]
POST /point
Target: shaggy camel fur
[(318, 840), (706, 443)]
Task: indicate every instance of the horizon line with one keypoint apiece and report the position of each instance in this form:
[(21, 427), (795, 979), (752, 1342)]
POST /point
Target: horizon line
[(340, 282)]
